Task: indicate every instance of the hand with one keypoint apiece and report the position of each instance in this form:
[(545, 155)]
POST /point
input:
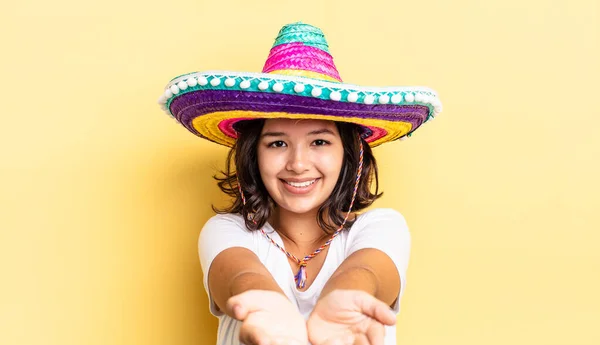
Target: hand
[(347, 317), (268, 318)]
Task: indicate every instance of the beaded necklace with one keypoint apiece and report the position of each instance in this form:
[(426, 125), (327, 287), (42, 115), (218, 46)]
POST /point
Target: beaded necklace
[(301, 277)]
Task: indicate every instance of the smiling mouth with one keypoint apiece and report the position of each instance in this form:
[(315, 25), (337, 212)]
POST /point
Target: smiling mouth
[(304, 184)]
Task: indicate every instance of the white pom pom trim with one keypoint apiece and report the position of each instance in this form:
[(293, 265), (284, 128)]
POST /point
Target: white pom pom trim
[(192, 82), (202, 81), (182, 85), (245, 84), (335, 96), (352, 97), (263, 85), (398, 96)]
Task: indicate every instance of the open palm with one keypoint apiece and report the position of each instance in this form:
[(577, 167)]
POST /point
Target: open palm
[(267, 317), (347, 317)]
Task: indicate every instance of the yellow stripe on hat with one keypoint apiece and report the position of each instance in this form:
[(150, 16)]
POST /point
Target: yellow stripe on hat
[(208, 124)]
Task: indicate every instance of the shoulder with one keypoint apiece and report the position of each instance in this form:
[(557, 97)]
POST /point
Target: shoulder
[(384, 229), (378, 227), (223, 231), (229, 220), (224, 227), (380, 216)]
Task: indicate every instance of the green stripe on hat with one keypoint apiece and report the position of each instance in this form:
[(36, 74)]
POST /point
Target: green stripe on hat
[(302, 33)]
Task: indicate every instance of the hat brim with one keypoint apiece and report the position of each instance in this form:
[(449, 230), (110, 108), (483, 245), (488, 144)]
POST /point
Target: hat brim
[(209, 104)]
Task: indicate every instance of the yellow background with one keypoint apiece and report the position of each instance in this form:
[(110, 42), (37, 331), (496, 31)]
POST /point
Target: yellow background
[(102, 196)]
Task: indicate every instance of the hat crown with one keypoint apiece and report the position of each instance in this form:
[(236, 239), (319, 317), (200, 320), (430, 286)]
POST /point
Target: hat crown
[(301, 50), (304, 33)]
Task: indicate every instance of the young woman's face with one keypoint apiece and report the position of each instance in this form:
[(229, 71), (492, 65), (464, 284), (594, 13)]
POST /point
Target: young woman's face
[(300, 162)]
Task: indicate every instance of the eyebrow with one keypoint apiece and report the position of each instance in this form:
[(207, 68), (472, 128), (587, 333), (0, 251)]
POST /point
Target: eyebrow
[(272, 134), (321, 131), (281, 134)]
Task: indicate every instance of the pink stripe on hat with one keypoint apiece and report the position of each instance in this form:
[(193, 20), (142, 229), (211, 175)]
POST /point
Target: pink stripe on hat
[(226, 126), (298, 56)]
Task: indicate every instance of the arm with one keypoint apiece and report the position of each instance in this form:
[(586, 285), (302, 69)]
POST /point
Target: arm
[(241, 286), (230, 267), (369, 270), (354, 305), (237, 270)]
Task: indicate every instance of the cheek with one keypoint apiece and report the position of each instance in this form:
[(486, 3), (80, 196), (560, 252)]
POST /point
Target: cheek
[(268, 165), (332, 163)]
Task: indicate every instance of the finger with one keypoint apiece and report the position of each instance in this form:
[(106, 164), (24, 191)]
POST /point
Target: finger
[(375, 333), (375, 308), (250, 335)]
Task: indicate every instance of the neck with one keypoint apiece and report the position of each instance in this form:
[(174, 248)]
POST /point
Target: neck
[(301, 229)]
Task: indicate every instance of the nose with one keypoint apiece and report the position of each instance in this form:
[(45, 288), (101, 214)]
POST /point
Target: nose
[(298, 160)]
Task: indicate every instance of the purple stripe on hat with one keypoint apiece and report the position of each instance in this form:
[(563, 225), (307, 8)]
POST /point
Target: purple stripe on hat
[(193, 104)]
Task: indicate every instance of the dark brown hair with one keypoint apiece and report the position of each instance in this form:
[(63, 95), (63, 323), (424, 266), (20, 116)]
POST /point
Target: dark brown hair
[(242, 165)]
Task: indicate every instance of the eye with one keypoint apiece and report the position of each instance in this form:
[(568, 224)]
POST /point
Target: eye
[(321, 142), (278, 143)]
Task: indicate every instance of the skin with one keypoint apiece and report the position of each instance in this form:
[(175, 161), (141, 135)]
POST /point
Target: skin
[(299, 150), (291, 150), (354, 304)]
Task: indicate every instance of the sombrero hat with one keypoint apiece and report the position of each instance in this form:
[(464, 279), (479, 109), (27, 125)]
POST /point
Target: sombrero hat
[(299, 81)]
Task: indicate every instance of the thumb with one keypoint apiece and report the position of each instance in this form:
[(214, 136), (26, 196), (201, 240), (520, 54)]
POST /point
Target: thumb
[(374, 308)]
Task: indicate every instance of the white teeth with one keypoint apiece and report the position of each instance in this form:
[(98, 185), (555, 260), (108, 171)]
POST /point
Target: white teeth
[(300, 184)]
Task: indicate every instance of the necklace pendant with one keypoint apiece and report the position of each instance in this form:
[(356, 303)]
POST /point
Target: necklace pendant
[(301, 276)]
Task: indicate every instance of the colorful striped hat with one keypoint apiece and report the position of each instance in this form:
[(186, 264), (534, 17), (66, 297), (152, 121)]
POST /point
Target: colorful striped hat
[(299, 81)]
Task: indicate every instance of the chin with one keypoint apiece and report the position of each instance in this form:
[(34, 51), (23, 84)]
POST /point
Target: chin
[(300, 208)]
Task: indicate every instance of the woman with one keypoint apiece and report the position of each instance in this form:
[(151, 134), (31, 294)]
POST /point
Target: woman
[(292, 261)]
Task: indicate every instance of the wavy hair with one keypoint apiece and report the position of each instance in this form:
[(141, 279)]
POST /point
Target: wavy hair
[(242, 166)]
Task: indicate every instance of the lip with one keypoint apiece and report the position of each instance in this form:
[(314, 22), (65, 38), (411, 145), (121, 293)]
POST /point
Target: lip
[(299, 190)]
